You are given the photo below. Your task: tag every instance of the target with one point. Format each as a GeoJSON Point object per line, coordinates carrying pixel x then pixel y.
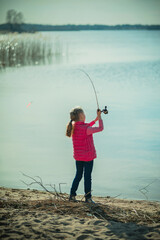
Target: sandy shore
{"type": "Point", "coordinates": [34, 214]}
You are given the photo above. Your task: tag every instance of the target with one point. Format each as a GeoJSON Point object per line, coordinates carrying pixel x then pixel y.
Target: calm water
{"type": "Point", "coordinates": [125, 68]}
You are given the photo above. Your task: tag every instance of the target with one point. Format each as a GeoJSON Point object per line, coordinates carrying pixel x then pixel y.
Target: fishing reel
{"type": "Point", "coordinates": [105, 111]}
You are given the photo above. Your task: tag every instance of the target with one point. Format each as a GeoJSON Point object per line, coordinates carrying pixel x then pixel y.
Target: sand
{"type": "Point", "coordinates": [34, 214]}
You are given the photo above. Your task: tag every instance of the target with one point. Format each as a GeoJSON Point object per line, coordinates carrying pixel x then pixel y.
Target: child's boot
{"type": "Point", "coordinates": [89, 200]}
{"type": "Point", "coordinates": [72, 198]}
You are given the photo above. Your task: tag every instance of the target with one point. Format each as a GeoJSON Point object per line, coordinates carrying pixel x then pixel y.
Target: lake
{"type": "Point", "coordinates": [35, 102]}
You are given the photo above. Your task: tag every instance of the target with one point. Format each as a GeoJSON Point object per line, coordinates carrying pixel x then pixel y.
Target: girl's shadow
{"type": "Point", "coordinates": [120, 228]}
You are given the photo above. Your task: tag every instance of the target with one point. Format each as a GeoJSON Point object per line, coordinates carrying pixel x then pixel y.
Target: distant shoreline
{"type": "Point", "coordinates": [27, 27]}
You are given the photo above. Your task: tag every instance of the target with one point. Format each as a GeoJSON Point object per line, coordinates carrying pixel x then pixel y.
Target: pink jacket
{"type": "Point", "coordinates": [82, 138]}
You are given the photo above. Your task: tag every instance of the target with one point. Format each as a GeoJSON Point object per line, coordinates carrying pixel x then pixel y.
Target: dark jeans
{"type": "Point", "coordinates": [87, 166]}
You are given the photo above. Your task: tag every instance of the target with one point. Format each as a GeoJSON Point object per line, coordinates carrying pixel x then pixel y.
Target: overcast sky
{"type": "Point", "coordinates": [108, 12]}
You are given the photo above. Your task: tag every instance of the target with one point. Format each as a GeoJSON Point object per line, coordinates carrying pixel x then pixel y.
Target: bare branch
{"type": "Point", "coordinates": [117, 195]}
{"type": "Point", "coordinates": [60, 186]}
{"type": "Point", "coordinates": [144, 190]}
{"type": "Point", "coordinates": [40, 179]}
{"type": "Point", "coordinates": [55, 193]}
{"type": "Point", "coordinates": [86, 195]}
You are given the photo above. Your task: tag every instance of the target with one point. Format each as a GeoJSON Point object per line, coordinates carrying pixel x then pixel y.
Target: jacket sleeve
{"type": "Point", "coordinates": [92, 123]}
{"type": "Point", "coordinates": [91, 130]}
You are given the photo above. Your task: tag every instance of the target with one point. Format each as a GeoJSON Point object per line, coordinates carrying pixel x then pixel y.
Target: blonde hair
{"type": "Point", "coordinates": [74, 116]}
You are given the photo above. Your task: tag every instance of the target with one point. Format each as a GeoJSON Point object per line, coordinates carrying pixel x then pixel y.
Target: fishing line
{"type": "Point", "coordinates": [105, 111]}
{"type": "Point", "coordinates": [92, 85]}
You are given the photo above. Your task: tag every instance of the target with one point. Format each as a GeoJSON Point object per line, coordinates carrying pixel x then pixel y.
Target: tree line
{"type": "Point", "coordinates": [15, 23]}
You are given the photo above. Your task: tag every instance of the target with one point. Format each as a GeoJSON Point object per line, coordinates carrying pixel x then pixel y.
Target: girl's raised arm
{"type": "Point", "coordinates": [92, 123]}
{"type": "Point", "coordinates": [91, 130]}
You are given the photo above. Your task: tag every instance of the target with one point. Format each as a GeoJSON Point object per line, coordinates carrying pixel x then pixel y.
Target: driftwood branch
{"type": "Point", "coordinates": [59, 196]}
{"type": "Point", "coordinates": [144, 190]}
{"type": "Point", "coordinates": [60, 186]}
{"type": "Point", "coordinates": [117, 195]}
{"type": "Point", "coordinates": [85, 195]}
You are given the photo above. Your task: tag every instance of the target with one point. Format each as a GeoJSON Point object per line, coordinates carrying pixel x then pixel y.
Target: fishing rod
{"type": "Point", "coordinates": [105, 111]}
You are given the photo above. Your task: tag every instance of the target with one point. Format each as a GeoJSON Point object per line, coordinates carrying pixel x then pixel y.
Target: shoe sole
{"type": "Point", "coordinates": [90, 202]}
{"type": "Point", "coordinates": [71, 200]}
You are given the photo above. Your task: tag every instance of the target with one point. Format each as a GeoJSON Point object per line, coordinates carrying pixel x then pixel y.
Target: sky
{"type": "Point", "coordinates": [109, 12]}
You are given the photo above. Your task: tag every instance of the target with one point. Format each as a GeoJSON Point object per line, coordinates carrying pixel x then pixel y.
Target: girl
{"type": "Point", "coordinates": [83, 149]}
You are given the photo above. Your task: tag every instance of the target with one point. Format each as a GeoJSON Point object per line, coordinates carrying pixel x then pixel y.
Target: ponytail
{"type": "Point", "coordinates": [69, 129]}
{"type": "Point", "coordinates": [74, 116]}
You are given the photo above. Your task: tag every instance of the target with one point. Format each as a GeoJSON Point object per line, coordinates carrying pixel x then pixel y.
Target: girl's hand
{"type": "Point", "coordinates": [98, 115]}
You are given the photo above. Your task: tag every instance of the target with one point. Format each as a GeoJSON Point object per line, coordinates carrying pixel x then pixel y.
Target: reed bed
{"type": "Point", "coordinates": [28, 49]}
